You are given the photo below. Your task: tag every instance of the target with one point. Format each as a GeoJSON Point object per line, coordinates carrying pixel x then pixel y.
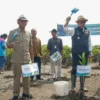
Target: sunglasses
{"type": "Point", "coordinates": [81, 22]}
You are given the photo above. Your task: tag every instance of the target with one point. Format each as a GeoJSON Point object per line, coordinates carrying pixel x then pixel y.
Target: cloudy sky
{"type": "Point", "coordinates": [45, 14]}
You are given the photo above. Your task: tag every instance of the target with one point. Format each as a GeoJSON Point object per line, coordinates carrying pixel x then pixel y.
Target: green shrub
{"type": "Point", "coordinates": [96, 52]}
{"type": "Point", "coordinates": [8, 56]}
{"type": "Point", "coordinates": [66, 55]}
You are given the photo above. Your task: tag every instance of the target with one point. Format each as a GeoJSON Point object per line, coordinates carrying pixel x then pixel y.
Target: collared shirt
{"type": "Point", "coordinates": [22, 42]}
{"type": "Point", "coordinates": [36, 47]}
{"type": "Point", "coordinates": [55, 44]}
{"type": "Point", "coordinates": [71, 31]}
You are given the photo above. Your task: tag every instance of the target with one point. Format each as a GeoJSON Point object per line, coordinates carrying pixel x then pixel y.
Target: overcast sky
{"type": "Point", "coordinates": [45, 14]}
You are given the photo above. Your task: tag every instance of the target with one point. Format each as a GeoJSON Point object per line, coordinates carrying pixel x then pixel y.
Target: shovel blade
{"type": "Point", "coordinates": [75, 10]}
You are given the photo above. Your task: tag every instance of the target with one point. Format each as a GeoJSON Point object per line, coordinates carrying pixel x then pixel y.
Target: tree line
{"type": "Point", "coordinates": [66, 61]}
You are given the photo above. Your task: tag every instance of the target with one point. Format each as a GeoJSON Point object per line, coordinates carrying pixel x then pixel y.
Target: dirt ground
{"type": "Point", "coordinates": [44, 89]}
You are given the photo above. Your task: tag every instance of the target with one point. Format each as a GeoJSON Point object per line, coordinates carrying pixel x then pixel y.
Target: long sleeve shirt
{"type": "Point", "coordinates": [71, 31]}
{"type": "Point", "coordinates": [37, 50]}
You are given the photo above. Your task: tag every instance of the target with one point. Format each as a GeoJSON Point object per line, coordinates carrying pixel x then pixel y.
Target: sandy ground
{"type": "Point", "coordinates": [44, 89]}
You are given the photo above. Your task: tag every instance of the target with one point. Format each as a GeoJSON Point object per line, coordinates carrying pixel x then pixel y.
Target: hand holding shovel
{"type": "Point", "coordinates": [73, 11]}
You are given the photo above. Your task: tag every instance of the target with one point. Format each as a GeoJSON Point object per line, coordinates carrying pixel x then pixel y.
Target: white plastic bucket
{"type": "Point", "coordinates": [61, 88]}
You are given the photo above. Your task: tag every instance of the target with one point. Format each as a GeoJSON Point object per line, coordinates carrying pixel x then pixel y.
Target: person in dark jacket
{"type": "Point", "coordinates": [55, 44]}
{"type": "Point", "coordinates": [81, 42]}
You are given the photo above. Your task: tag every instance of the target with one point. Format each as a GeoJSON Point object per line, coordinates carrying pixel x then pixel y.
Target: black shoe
{"type": "Point", "coordinates": [54, 79]}
{"type": "Point", "coordinates": [39, 78]}
{"type": "Point", "coordinates": [15, 98]}
{"type": "Point", "coordinates": [27, 96]}
{"type": "Point", "coordinates": [31, 80]}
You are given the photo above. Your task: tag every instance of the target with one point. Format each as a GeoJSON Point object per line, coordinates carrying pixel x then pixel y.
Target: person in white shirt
{"type": "Point", "coordinates": [81, 42]}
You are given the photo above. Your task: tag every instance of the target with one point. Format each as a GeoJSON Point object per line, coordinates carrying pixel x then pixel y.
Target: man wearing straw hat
{"type": "Point", "coordinates": [81, 42]}
{"type": "Point", "coordinates": [21, 41]}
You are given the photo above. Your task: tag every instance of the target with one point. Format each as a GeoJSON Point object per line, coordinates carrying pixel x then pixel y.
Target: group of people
{"type": "Point", "coordinates": [27, 47]}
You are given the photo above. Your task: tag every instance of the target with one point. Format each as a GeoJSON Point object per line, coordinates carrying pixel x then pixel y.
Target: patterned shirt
{"type": "Point", "coordinates": [55, 44]}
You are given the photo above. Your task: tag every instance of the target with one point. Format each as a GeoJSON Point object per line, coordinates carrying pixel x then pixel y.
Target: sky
{"type": "Point", "coordinates": [44, 15]}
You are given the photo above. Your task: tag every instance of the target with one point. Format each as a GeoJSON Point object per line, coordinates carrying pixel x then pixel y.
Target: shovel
{"type": "Point", "coordinates": [73, 11]}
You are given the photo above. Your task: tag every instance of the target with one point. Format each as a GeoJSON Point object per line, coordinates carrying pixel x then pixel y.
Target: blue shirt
{"type": "Point", "coordinates": [55, 44]}
{"type": "Point", "coordinates": [2, 50]}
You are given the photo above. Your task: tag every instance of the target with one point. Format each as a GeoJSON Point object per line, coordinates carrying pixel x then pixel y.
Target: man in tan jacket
{"type": "Point", "coordinates": [20, 41]}
{"type": "Point", "coordinates": [36, 52]}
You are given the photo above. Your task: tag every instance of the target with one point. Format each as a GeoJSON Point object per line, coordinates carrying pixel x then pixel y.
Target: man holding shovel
{"type": "Point", "coordinates": [81, 42]}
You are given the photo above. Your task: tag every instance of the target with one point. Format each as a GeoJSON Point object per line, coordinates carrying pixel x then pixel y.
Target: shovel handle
{"type": "Point", "coordinates": [71, 14]}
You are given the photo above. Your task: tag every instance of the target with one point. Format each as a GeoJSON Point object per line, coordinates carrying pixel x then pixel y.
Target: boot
{"type": "Point", "coordinates": [73, 81]}
{"type": "Point", "coordinates": [82, 82]}
{"type": "Point", "coordinates": [15, 98]}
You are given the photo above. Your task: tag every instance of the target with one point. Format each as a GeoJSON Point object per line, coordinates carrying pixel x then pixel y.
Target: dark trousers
{"type": "Point", "coordinates": [2, 61]}
{"type": "Point", "coordinates": [38, 61]}
{"type": "Point", "coordinates": [75, 61]}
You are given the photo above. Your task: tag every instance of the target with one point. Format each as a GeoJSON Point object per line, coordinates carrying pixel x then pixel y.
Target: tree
{"type": "Point", "coordinates": [66, 55]}
{"type": "Point", "coordinates": [96, 52]}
